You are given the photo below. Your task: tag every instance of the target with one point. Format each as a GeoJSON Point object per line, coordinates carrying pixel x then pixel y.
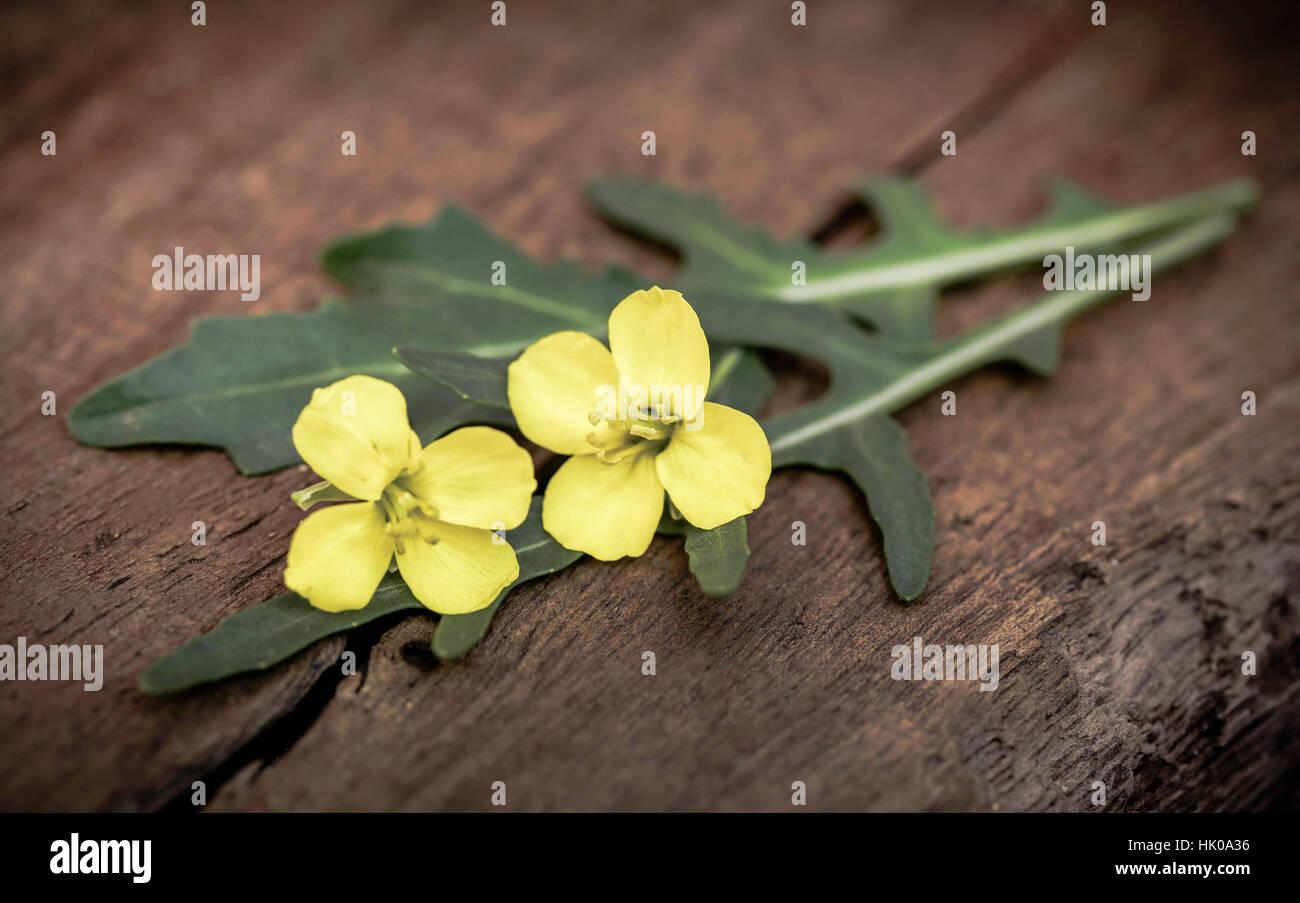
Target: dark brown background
{"type": "Point", "coordinates": [1119, 664]}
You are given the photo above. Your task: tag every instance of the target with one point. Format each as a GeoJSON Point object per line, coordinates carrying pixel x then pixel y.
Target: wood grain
{"type": "Point", "coordinates": [1120, 664]}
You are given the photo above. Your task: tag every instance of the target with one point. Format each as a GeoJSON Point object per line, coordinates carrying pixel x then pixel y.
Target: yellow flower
{"type": "Point", "coordinates": [434, 508]}
{"type": "Point", "coordinates": [635, 421]}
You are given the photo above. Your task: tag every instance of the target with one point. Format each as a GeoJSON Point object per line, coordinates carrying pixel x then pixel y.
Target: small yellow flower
{"type": "Point", "coordinates": [434, 508]}
{"type": "Point", "coordinates": [635, 421]}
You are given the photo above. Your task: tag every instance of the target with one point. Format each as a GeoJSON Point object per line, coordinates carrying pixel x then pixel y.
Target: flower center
{"type": "Point", "coordinates": [623, 440]}
{"type": "Point", "coordinates": [408, 517]}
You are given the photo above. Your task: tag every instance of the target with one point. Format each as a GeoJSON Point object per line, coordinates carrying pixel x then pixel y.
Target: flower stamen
{"type": "Point", "coordinates": [645, 431]}
{"type": "Point", "coordinates": [622, 453]}
{"type": "Point", "coordinates": [407, 515]}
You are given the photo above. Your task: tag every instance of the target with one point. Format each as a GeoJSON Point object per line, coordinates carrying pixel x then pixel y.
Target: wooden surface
{"type": "Point", "coordinates": [1119, 664]}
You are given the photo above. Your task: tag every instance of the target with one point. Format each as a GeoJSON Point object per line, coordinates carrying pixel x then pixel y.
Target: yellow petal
{"type": "Point", "coordinates": [338, 555]}
{"type": "Point", "coordinates": [605, 510]}
{"type": "Point", "coordinates": [555, 384]}
{"type": "Point", "coordinates": [464, 571]}
{"type": "Point", "coordinates": [718, 472]}
{"type": "Point", "coordinates": [475, 477]}
{"type": "Point", "coordinates": [355, 434]}
{"type": "Point", "coordinates": [657, 341]}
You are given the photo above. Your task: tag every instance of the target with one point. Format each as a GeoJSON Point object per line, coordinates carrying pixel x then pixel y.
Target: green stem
{"type": "Point", "coordinates": [1028, 245]}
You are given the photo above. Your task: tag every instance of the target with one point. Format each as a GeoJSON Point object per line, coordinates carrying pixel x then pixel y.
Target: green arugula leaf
{"type": "Point", "coordinates": [239, 383]}
{"type": "Point", "coordinates": [264, 635]}
{"type": "Point", "coordinates": [481, 380]}
{"type": "Point", "coordinates": [894, 283]}
{"type": "Point", "coordinates": [269, 633]}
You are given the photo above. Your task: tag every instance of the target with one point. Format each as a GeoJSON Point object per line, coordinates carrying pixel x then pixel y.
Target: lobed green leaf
{"type": "Point", "coordinates": [269, 633]}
